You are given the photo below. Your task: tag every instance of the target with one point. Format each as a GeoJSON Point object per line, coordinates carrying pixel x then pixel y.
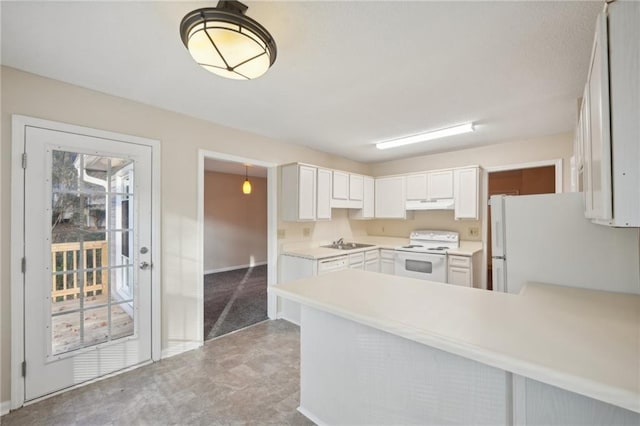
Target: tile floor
{"type": "Point", "coordinates": [250, 377]}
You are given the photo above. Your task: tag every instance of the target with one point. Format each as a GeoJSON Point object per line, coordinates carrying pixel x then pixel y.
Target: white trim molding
{"type": "Point", "coordinates": [272, 226]}
{"type": "Point", "coordinates": [178, 348]}
{"type": "Point", "coordinates": [233, 268]}
{"type": "Point", "coordinates": [5, 406]}
{"type": "Point", "coordinates": [18, 125]}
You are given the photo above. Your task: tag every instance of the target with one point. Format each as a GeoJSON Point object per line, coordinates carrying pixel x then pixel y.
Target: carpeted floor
{"type": "Point", "coordinates": [234, 300]}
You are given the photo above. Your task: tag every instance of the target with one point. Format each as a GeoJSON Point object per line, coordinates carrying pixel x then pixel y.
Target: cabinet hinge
{"type": "Point", "coordinates": [23, 265]}
{"type": "Point", "coordinates": [24, 160]}
{"type": "Point", "coordinates": [24, 368]}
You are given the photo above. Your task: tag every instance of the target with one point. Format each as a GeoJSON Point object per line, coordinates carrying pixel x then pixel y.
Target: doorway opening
{"type": "Point", "coordinates": [235, 246]}
{"type": "Point", "coordinates": [236, 237]}
{"type": "Point", "coordinates": [518, 181]}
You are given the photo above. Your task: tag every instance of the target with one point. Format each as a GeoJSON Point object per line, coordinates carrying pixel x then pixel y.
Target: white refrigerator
{"type": "Point", "coordinates": [546, 238]}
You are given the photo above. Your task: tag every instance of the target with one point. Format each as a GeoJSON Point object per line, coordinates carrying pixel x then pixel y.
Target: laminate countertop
{"type": "Point", "coordinates": [314, 250]}
{"type": "Point", "coordinates": [583, 341]}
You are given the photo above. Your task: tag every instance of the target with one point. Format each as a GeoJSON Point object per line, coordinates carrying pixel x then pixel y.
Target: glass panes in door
{"type": "Point", "coordinates": [92, 282]}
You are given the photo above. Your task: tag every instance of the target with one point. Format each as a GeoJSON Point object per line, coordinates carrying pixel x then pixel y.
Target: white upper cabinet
{"type": "Point", "coordinates": [348, 190]}
{"type": "Point", "coordinates": [466, 190]}
{"type": "Point", "coordinates": [430, 186]}
{"type": "Point", "coordinates": [368, 196]}
{"type": "Point", "coordinates": [599, 195]}
{"type": "Point", "coordinates": [298, 183]}
{"type": "Point", "coordinates": [440, 185]}
{"type": "Point", "coordinates": [340, 185]}
{"type": "Point", "coordinates": [390, 197]}
{"type": "Point", "coordinates": [324, 187]}
{"type": "Point", "coordinates": [356, 187]}
{"type": "Point", "coordinates": [609, 119]}
{"type": "Point", "coordinates": [417, 187]}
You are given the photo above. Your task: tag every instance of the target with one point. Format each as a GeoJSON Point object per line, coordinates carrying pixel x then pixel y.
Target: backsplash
{"type": "Point", "coordinates": [470, 230]}
{"type": "Point", "coordinates": [323, 230]}
{"type": "Point", "coordinates": [341, 226]}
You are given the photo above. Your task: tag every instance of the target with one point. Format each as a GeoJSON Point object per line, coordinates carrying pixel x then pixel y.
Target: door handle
{"type": "Point", "coordinates": [145, 265]}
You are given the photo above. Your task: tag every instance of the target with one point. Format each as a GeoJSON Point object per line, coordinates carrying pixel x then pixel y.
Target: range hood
{"type": "Point", "coordinates": [444, 204]}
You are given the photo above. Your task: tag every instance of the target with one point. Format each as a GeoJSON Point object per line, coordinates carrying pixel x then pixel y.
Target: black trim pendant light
{"type": "Point", "coordinates": [246, 185]}
{"type": "Point", "coordinates": [226, 42]}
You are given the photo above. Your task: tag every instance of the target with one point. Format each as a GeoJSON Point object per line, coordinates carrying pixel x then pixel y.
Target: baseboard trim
{"type": "Point", "coordinates": [179, 348]}
{"type": "Point", "coordinates": [310, 416]}
{"type": "Point", "coordinates": [233, 268]}
{"type": "Point", "coordinates": [283, 316]}
{"type": "Point", "coordinates": [5, 406]}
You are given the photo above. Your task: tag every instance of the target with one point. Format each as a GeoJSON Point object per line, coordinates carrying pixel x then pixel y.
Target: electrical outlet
{"type": "Point", "coordinates": [281, 234]}
{"type": "Point", "coordinates": [474, 231]}
{"type": "Point", "coordinates": [306, 232]}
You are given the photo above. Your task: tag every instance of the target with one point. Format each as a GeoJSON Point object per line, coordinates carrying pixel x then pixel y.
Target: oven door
{"type": "Point", "coordinates": [424, 266]}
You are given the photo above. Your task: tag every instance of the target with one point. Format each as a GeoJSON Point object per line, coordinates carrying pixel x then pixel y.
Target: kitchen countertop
{"type": "Point", "coordinates": [583, 341]}
{"type": "Point", "coordinates": [313, 250]}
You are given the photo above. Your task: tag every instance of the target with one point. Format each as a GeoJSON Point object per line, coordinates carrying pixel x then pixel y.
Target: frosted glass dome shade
{"type": "Point", "coordinates": [227, 43]}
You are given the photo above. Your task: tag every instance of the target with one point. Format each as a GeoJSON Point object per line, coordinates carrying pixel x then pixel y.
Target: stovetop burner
{"type": "Point", "coordinates": [436, 242]}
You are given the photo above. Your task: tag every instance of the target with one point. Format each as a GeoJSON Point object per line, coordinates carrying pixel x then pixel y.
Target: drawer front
{"type": "Point", "coordinates": [459, 276]}
{"type": "Point", "coordinates": [371, 254]}
{"type": "Point", "coordinates": [460, 261]}
{"type": "Point", "coordinates": [387, 254]}
{"type": "Point", "coordinates": [356, 258]}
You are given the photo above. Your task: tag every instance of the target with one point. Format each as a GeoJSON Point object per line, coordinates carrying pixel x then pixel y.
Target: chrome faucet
{"type": "Point", "coordinates": [339, 242]}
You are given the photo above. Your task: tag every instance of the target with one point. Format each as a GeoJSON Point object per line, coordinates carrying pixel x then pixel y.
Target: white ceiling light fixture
{"type": "Point", "coordinates": [225, 42]}
{"type": "Point", "coordinates": [426, 136]}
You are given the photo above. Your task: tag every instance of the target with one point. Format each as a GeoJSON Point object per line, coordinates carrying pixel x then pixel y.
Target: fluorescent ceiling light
{"type": "Point", "coordinates": [427, 136]}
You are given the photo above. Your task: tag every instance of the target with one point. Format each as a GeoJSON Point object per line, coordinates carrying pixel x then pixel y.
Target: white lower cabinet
{"type": "Point", "coordinates": [460, 271]}
{"type": "Point", "coordinates": [372, 260]}
{"type": "Point", "coordinates": [294, 268]}
{"type": "Point", "coordinates": [387, 261]}
{"type": "Point", "coordinates": [356, 260]}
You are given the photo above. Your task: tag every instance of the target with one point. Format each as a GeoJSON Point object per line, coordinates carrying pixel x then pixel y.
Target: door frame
{"type": "Point", "coordinates": [272, 228]}
{"type": "Point", "coordinates": [557, 162]}
{"type": "Point", "coordinates": [18, 124]}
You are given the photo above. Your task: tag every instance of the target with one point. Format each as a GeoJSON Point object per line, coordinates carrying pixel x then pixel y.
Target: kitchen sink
{"type": "Point", "coordinates": [348, 246]}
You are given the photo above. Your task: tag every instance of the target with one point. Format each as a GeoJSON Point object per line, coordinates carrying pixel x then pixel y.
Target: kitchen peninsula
{"type": "Point", "coordinates": [427, 353]}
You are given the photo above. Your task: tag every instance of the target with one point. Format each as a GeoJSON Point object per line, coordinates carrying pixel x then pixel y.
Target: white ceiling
{"type": "Point", "coordinates": [347, 74]}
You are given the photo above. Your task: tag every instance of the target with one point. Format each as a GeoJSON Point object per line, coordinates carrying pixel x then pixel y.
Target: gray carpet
{"type": "Point", "coordinates": [234, 300]}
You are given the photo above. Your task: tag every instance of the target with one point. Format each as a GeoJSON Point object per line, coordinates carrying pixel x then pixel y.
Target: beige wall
{"type": "Point", "coordinates": [180, 137]}
{"type": "Point", "coordinates": [324, 230]}
{"type": "Point", "coordinates": [235, 224]}
{"type": "Point", "coordinates": [436, 219]}
{"type": "Point", "coordinates": [515, 152]}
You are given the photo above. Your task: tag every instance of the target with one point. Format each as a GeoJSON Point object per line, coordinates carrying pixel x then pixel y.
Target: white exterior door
{"type": "Point", "coordinates": [87, 251]}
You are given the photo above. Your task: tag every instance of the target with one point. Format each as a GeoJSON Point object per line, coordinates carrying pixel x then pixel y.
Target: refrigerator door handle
{"type": "Point", "coordinates": [499, 257]}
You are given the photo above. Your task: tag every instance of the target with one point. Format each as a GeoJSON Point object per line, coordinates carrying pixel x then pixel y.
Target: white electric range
{"type": "Point", "coordinates": [425, 257]}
